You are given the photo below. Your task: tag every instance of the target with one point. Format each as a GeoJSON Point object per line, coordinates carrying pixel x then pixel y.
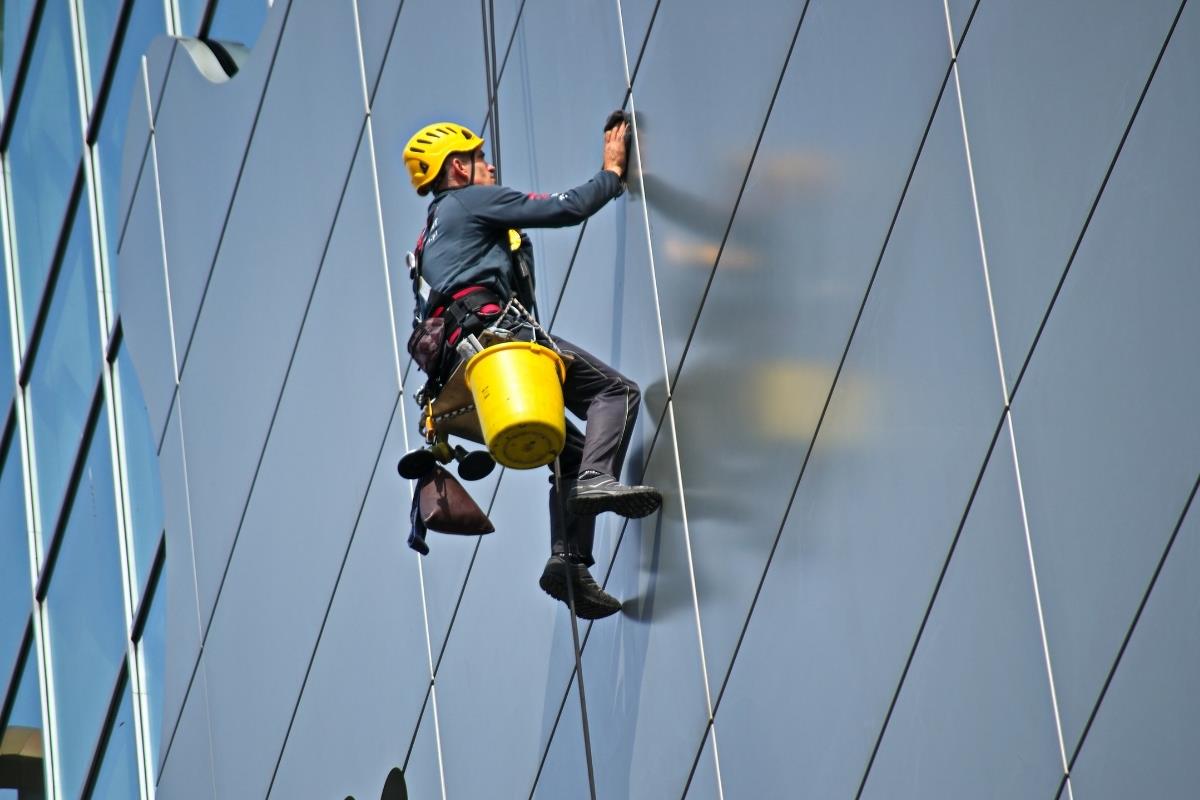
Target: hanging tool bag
{"type": "Point", "coordinates": [469, 310]}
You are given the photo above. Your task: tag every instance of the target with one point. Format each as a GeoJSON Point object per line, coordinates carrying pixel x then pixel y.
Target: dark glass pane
{"type": "Point", "coordinates": [21, 768]}
{"type": "Point", "coordinates": [238, 21]}
{"type": "Point", "coordinates": [153, 646]}
{"type": "Point", "coordinates": [65, 371]}
{"type": "Point", "coordinates": [16, 590]}
{"type": "Point", "coordinates": [14, 19]}
{"type": "Point", "coordinates": [141, 470]}
{"type": "Point", "coordinates": [118, 776]}
{"type": "Point", "coordinates": [86, 614]}
{"type": "Point", "coordinates": [43, 154]}
{"type": "Point", "coordinates": [99, 21]}
{"type": "Point", "coordinates": [145, 22]}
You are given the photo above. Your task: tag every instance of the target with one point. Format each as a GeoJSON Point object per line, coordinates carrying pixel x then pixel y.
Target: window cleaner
{"type": "Point", "coordinates": [473, 276]}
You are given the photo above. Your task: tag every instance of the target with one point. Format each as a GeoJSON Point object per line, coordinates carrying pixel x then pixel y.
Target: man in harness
{"type": "Point", "coordinates": [471, 261]}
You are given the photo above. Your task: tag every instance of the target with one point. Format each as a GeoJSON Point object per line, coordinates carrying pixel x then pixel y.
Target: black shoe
{"type": "Point", "coordinates": [591, 602]}
{"type": "Point", "coordinates": [591, 496]}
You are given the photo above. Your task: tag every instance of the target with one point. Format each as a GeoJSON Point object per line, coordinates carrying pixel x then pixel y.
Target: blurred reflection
{"type": "Point", "coordinates": [16, 590]}
{"type": "Point", "coordinates": [21, 746]}
{"type": "Point", "coordinates": [146, 21]}
{"type": "Point", "coordinates": [99, 22]}
{"type": "Point", "coordinates": [118, 777]}
{"type": "Point", "coordinates": [65, 370]}
{"type": "Point", "coordinates": [86, 614]}
{"type": "Point", "coordinates": [43, 154]}
{"type": "Point", "coordinates": [141, 466]}
{"type": "Point", "coordinates": [14, 19]}
{"type": "Point", "coordinates": [153, 650]}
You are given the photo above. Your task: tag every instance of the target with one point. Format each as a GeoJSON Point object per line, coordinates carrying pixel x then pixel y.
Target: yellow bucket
{"type": "Point", "coordinates": [517, 388]}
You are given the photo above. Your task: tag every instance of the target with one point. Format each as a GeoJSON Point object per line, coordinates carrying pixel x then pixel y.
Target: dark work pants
{"type": "Point", "coordinates": [608, 401]}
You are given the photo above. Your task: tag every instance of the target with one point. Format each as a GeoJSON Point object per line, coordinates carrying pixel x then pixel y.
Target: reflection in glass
{"type": "Point", "coordinates": [118, 776]}
{"type": "Point", "coordinates": [86, 614]}
{"type": "Point", "coordinates": [238, 21]}
{"type": "Point", "coordinates": [141, 469]}
{"type": "Point", "coordinates": [14, 18]}
{"type": "Point", "coordinates": [16, 589]}
{"type": "Point", "coordinates": [21, 769]}
{"type": "Point", "coordinates": [153, 651]}
{"type": "Point", "coordinates": [43, 154]}
{"type": "Point", "coordinates": [65, 371]}
{"type": "Point", "coordinates": [100, 20]}
{"type": "Point", "coordinates": [145, 22]}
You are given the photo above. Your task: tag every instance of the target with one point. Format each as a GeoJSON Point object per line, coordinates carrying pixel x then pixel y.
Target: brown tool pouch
{"type": "Point", "coordinates": [426, 343]}
{"type": "Point", "coordinates": [446, 507]}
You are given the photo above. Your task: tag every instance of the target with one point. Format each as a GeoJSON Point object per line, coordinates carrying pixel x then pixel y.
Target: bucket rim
{"type": "Point", "coordinates": [560, 365]}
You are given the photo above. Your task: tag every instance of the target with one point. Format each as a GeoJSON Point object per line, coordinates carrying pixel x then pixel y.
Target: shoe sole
{"type": "Point", "coordinates": [554, 583]}
{"type": "Point", "coordinates": [631, 505]}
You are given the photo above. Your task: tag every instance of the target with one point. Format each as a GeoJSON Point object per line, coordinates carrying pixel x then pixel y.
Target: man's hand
{"type": "Point", "coordinates": [615, 151]}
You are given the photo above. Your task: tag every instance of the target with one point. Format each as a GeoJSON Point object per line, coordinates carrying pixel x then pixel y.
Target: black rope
{"type": "Point", "coordinates": [587, 738]}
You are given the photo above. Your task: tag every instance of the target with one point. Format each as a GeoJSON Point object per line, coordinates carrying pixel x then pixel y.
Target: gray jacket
{"type": "Point", "coordinates": [465, 241]}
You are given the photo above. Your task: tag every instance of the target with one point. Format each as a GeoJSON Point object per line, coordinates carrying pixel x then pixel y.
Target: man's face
{"type": "Point", "coordinates": [485, 173]}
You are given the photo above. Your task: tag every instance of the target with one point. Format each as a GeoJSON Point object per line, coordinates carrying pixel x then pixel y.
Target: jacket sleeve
{"type": "Point", "coordinates": [507, 208]}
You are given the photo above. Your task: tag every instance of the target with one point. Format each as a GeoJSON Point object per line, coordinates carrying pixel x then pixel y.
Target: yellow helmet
{"type": "Point", "coordinates": [426, 151]}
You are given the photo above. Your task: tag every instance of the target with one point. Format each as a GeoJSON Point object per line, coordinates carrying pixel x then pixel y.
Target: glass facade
{"type": "Point", "coordinates": [81, 515]}
{"type": "Point", "coordinates": [909, 290]}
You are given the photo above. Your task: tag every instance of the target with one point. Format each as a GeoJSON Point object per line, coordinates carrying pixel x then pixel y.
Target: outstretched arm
{"type": "Point", "coordinates": [508, 208]}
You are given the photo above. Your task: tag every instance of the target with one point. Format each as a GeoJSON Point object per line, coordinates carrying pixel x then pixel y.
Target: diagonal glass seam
{"type": "Point", "coordinates": [337, 582]}
{"type": "Point", "coordinates": [836, 376]}
{"type": "Point", "coordinates": [206, 624]}
{"type": "Point", "coordinates": [1112, 164]}
{"type": "Point", "coordinates": [562, 704]}
{"type": "Point", "coordinates": [237, 183]}
{"type": "Point", "coordinates": [282, 388]}
{"type": "Point", "coordinates": [737, 203]}
{"type": "Point", "coordinates": [1112, 671]}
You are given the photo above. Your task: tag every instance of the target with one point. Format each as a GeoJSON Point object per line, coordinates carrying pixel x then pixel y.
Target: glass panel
{"type": "Point", "coordinates": [43, 154]}
{"type": "Point", "coordinates": [1048, 89]}
{"type": "Point", "coordinates": [141, 470]}
{"type": "Point", "coordinates": [975, 708]}
{"type": "Point", "coordinates": [190, 14]}
{"type": "Point", "coordinates": [1144, 734]}
{"type": "Point", "coordinates": [1105, 415]}
{"type": "Point", "coordinates": [65, 370]}
{"type": "Point", "coordinates": [21, 741]}
{"type": "Point", "coordinates": [16, 589]}
{"type": "Point", "coordinates": [387, 669]}
{"type": "Point", "coordinates": [145, 22]}
{"type": "Point", "coordinates": [908, 427]}
{"type": "Point", "coordinates": [645, 664]}
{"type": "Point", "coordinates": [238, 21]}
{"type": "Point", "coordinates": [118, 776]}
{"type": "Point", "coordinates": [153, 649]}
{"type": "Point", "coordinates": [14, 19]}
{"type": "Point", "coordinates": [99, 20]}
{"type": "Point", "coordinates": [86, 614]}
{"type": "Point", "coordinates": [564, 772]}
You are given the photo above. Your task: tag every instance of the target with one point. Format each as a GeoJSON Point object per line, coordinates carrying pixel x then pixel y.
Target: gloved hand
{"type": "Point", "coordinates": [618, 140]}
